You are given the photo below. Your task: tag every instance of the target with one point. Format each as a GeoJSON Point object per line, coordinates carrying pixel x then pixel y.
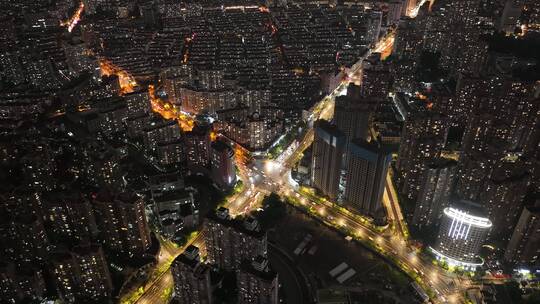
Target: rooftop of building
{"type": "Point", "coordinates": [172, 195]}
{"type": "Point", "coordinates": [442, 162]}
{"type": "Point", "coordinates": [85, 249]}
{"type": "Point", "coordinates": [160, 123]}
{"type": "Point", "coordinates": [124, 197]}
{"type": "Point", "coordinates": [325, 126]}
{"type": "Point", "coordinates": [469, 207]}
{"type": "Point", "coordinates": [221, 146]}
{"type": "Point", "coordinates": [237, 224]}
{"type": "Point", "coordinates": [371, 146]}
{"type": "Point", "coordinates": [267, 274]}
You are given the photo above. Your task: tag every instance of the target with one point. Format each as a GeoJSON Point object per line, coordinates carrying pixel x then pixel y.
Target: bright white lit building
{"type": "Point", "coordinates": [464, 228]}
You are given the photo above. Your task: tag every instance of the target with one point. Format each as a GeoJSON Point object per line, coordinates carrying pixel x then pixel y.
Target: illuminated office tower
{"type": "Point", "coordinates": [328, 148]}
{"type": "Point", "coordinates": [464, 228]}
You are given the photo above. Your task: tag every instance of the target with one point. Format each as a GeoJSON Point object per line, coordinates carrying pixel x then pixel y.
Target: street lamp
{"type": "Point", "coordinates": [453, 298]}
{"type": "Point", "coordinates": [413, 258]}
{"type": "Point", "coordinates": [434, 276]}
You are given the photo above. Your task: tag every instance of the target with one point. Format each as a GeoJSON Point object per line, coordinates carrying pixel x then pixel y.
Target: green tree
{"type": "Point", "coordinates": [274, 209]}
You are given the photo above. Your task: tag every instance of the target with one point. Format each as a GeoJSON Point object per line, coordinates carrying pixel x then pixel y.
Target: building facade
{"type": "Point", "coordinates": [191, 278]}
{"type": "Point", "coordinates": [328, 149]}
{"type": "Point", "coordinates": [524, 246]}
{"type": "Point", "coordinates": [423, 138]}
{"type": "Point", "coordinates": [464, 229]}
{"type": "Point", "coordinates": [366, 176]}
{"type": "Point", "coordinates": [257, 283]}
{"type": "Point", "coordinates": [435, 193]}
{"type": "Point", "coordinates": [122, 222]}
{"type": "Point", "coordinates": [229, 242]}
{"type": "Point", "coordinates": [223, 164]}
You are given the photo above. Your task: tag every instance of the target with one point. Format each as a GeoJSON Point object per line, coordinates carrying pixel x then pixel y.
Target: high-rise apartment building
{"type": "Point", "coordinates": [488, 134]}
{"type": "Point", "coordinates": [423, 138]}
{"type": "Point", "coordinates": [191, 278]}
{"type": "Point", "coordinates": [257, 283]}
{"type": "Point", "coordinates": [394, 12]}
{"type": "Point", "coordinates": [532, 9]}
{"type": "Point", "coordinates": [94, 279]}
{"type": "Point", "coordinates": [29, 238]}
{"type": "Point", "coordinates": [463, 13]}
{"type": "Point", "coordinates": [376, 78]}
{"type": "Point", "coordinates": [503, 198]}
{"type": "Point", "coordinates": [509, 18]}
{"type": "Point", "coordinates": [409, 39]}
{"type": "Point", "coordinates": [255, 131]}
{"type": "Point", "coordinates": [473, 170]}
{"type": "Point", "coordinates": [374, 22]}
{"type": "Point", "coordinates": [470, 90]}
{"type": "Point", "coordinates": [229, 241]}
{"type": "Point", "coordinates": [366, 176]}
{"type": "Point", "coordinates": [122, 222]}
{"type": "Point", "coordinates": [21, 284]}
{"type": "Point", "coordinates": [223, 164]}
{"type": "Point", "coordinates": [198, 146]}
{"type": "Point", "coordinates": [82, 274]}
{"type": "Point", "coordinates": [524, 246]}
{"type": "Point", "coordinates": [328, 149]}
{"type": "Point", "coordinates": [137, 103]}
{"type": "Point", "coordinates": [70, 216]}
{"type": "Point", "coordinates": [435, 192]}
{"type": "Point", "coordinates": [352, 113]}
{"type": "Point", "coordinates": [171, 153]}
{"type": "Point", "coordinates": [160, 131]}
